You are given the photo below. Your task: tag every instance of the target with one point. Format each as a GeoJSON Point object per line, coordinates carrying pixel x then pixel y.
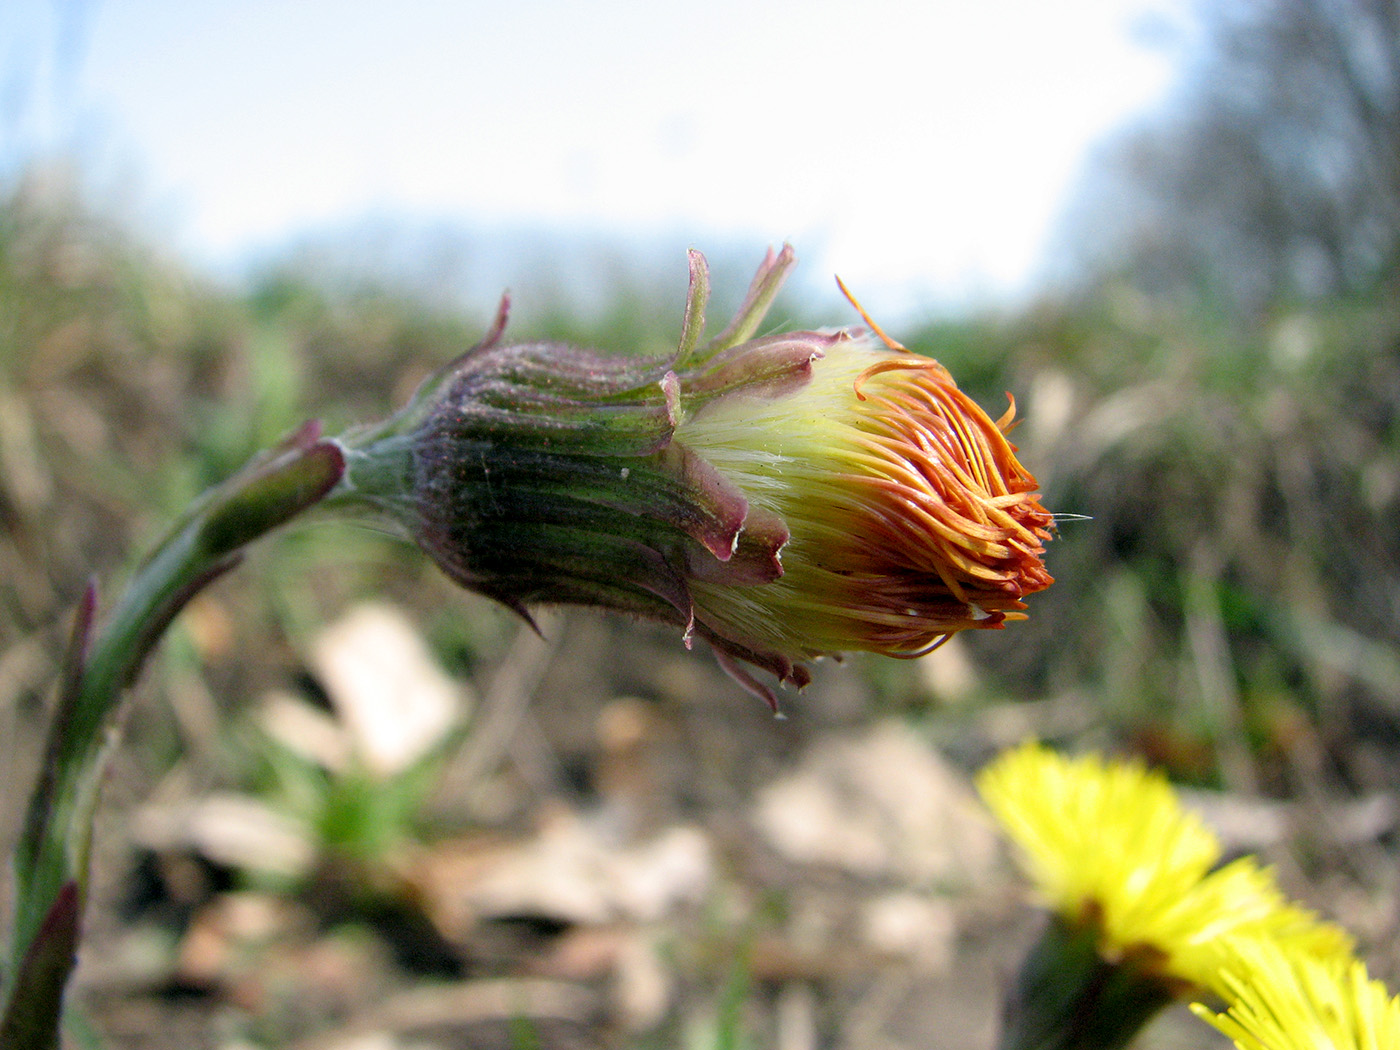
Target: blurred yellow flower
{"type": "Point", "coordinates": [1286, 1000]}
{"type": "Point", "coordinates": [1109, 846]}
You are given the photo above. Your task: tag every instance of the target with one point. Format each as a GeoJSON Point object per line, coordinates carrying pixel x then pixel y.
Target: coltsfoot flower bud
{"type": "Point", "coordinates": [783, 497]}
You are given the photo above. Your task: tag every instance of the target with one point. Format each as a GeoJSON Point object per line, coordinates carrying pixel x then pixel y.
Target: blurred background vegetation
{"type": "Point", "coordinates": [1214, 383]}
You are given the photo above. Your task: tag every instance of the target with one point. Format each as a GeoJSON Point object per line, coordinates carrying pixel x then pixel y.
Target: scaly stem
{"type": "Point", "coordinates": [51, 859]}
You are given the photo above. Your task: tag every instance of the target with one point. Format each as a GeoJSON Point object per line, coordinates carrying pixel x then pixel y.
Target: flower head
{"type": "Point", "coordinates": [783, 497]}
{"type": "Point", "coordinates": [1286, 1000]}
{"type": "Point", "coordinates": [909, 515]}
{"type": "Point", "coordinates": [1109, 847]}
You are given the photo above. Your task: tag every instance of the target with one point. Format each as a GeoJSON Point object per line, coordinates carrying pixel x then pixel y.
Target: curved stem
{"type": "Point", "coordinates": [51, 858]}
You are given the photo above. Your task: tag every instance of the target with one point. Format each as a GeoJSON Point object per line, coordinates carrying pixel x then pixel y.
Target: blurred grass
{"type": "Point", "coordinates": [1233, 604]}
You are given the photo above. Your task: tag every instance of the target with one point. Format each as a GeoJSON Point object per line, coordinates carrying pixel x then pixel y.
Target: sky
{"type": "Point", "coordinates": [923, 150]}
